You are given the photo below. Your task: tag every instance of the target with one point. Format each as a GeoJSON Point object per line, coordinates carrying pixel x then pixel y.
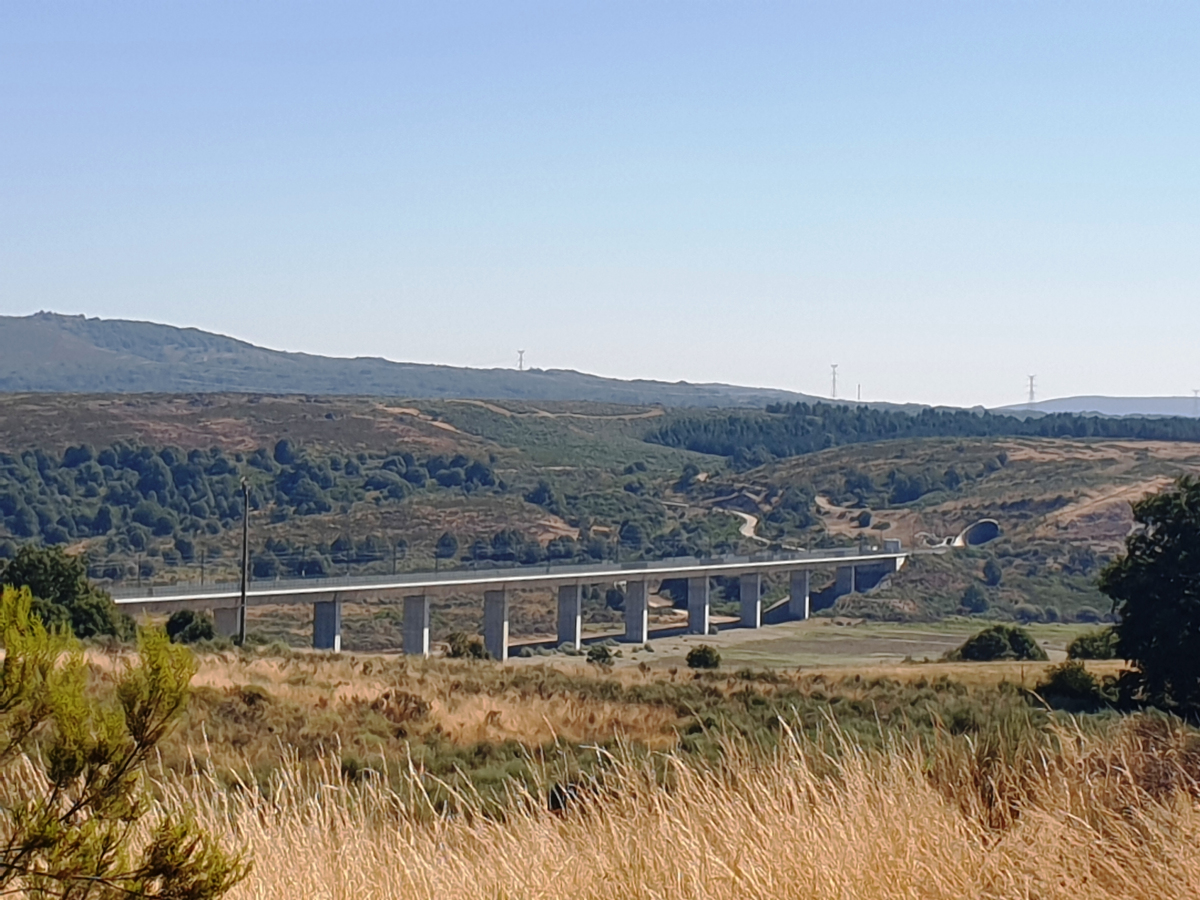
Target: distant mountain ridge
{"type": "Point", "coordinates": [1111, 406]}
{"type": "Point", "coordinates": [52, 353]}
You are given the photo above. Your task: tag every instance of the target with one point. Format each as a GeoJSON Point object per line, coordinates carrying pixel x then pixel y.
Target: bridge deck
{"type": "Point", "coordinates": [307, 590]}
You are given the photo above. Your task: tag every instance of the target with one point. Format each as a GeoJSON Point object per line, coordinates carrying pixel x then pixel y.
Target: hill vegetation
{"type": "Point", "coordinates": [795, 429]}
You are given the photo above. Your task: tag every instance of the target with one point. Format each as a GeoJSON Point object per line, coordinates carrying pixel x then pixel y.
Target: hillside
{"type": "Point", "coordinates": [47, 352]}
{"type": "Point", "coordinates": [146, 486]}
{"type": "Point", "coordinates": [1111, 406]}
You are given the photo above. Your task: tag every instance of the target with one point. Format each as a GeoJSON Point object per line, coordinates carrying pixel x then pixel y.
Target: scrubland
{"type": "Point", "coordinates": [1077, 815]}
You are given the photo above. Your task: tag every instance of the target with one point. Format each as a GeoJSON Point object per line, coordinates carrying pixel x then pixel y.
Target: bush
{"type": "Point", "coordinates": [1098, 644]}
{"type": "Point", "coordinates": [599, 655]}
{"type": "Point", "coordinates": [991, 573]}
{"type": "Point", "coordinates": [188, 626]}
{"type": "Point", "coordinates": [999, 642]}
{"type": "Point", "coordinates": [1026, 612]}
{"type": "Point", "coordinates": [703, 657]}
{"type": "Point", "coordinates": [1070, 681]}
{"type": "Point", "coordinates": [71, 828]}
{"type": "Point", "coordinates": [463, 646]}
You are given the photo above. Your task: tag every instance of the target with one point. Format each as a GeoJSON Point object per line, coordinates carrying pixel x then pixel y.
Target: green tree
{"type": "Point", "coordinates": [71, 832]}
{"type": "Point", "coordinates": [974, 600]}
{"type": "Point", "coordinates": [999, 642]}
{"type": "Point", "coordinates": [62, 595]}
{"type": "Point", "coordinates": [991, 573]}
{"type": "Point", "coordinates": [447, 546]}
{"type": "Point", "coordinates": [1155, 589]}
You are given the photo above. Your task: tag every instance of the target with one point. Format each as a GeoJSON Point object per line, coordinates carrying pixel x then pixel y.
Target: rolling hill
{"type": "Point", "coordinates": [48, 352]}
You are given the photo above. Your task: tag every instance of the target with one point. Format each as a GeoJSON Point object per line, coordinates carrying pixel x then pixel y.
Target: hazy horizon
{"type": "Point", "coordinates": [941, 199]}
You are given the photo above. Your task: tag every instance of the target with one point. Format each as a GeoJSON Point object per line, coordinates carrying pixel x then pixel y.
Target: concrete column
{"type": "Point", "coordinates": [637, 620]}
{"type": "Point", "coordinates": [225, 622]}
{"type": "Point", "coordinates": [327, 624]}
{"type": "Point", "coordinates": [750, 589]}
{"type": "Point", "coordinates": [845, 580]}
{"type": "Point", "coordinates": [698, 605]}
{"type": "Point", "coordinates": [798, 600]}
{"type": "Point", "coordinates": [495, 624]}
{"type": "Point", "coordinates": [570, 615]}
{"type": "Point", "coordinates": [416, 625]}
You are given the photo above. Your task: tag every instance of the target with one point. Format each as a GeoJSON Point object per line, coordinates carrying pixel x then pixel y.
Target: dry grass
{"type": "Point", "coordinates": [1111, 817]}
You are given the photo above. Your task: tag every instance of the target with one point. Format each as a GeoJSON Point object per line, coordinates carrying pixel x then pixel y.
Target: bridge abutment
{"type": "Point", "coordinates": [495, 624]}
{"type": "Point", "coordinates": [416, 625]}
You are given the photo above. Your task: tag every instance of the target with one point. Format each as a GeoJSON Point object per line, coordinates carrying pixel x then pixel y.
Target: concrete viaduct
{"type": "Point", "coordinates": [418, 589]}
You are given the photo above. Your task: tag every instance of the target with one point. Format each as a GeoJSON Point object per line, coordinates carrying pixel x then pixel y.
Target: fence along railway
{"type": "Point", "coordinates": [417, 591]}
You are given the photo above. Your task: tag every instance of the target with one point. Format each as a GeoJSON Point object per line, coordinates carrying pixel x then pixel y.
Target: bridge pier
{"type": "Point", "coordinates": [327, 624]}
{"type": "Point", "coordinates": [847, 580]}
{"type": "Point", "coordinates": [495, 624]}
{"type": "Point", "coordinates": [750, 590]}
{"type": "Point", "coordinates": [416, 625]}
{"type": "Point", "coordinates": [798, 600]}
{"type": "Point", "coordinates": [698, 605]}
{"type": "Point", "coordinates": [637, 613]}
{"type": "Point", "coordinates": [225, 622]}
{"type": "Point", "coordinates": [570, 615]}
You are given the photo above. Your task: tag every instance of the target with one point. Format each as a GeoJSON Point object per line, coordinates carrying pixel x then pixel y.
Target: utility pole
{"type": "Point", "coordinates": [520, 360]}
{"type": "Point", "coordinates": [1196, 402]}
{"type": "Point", "coordinates": [833, 394]}
{"type": "Point", "coordinates": [245, 562]}
{"type": "Point", "coordinates": [202, 552]}
{"type": "Point", "coordinates": [1031, 378]}
{"type": "Point", "coordinates": [860, 393]}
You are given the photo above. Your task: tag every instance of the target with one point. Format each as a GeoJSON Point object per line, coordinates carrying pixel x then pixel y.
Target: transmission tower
{"type": "Point", "coordinates": [520, 360]}
{"type": "Point", "coordinates": [1031, 378]}
{"type": "Point", "coordinates": [1196, 402]}
{"type": "Point", "coordinates": [833, 394]}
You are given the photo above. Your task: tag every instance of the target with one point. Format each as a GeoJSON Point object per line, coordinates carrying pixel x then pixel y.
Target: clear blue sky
{"type": "Point", "coordinates": [940, 197]}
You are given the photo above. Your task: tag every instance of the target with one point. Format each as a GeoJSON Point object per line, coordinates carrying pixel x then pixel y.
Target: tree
{"type": "Point", "coordinates": [70, 832]}
{"type": "Point", "coordinates": [447, 546]}
{"type": "Point", "coordinates": [974, 600]}
{"type": "Point", "coordinates": [999, 642]}
{"type": "Point", "coordinates": [62, 595]}
{"type": "Point", "coordinates": [991, 573]}
{"type": "Point", "coordinates": [1155, 589]}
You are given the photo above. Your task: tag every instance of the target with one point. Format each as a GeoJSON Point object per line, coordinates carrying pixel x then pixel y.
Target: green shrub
{"type": "Point", "coordinates": [599, 655]}
{"type": "Point", "coordinates": [464, 646]}
{"type": "Point", "coordinates": [1026, 612]}
{"type": "Point", "coordinates": [703, 657]}
{"type": "Point", "coordinates": [188, 626]}
{"type": "Point", "coordinates": [1098, 644]}
{"type": "Point", "coordinates": [1070, 681]}
{"type": "Point", "coordinates": [999, 642]}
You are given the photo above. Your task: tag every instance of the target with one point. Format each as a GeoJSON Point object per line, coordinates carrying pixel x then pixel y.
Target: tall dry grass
{"type": "Point", "coordinates": [1084, 816]}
